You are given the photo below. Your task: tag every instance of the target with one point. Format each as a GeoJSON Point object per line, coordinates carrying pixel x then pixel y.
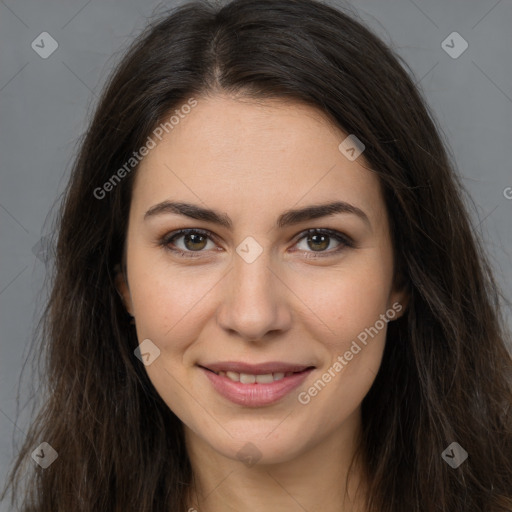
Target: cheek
{"type": "Point", "coordinates": [168, 303]}
{"type": "Point", "coordinates": [342, 303]}
{"type": "Point", "coordinates": [171, 307]}
{"type": "Point", "coordinates": [353, 343]}
{"type": "Point", "coordinates": [348, 306]}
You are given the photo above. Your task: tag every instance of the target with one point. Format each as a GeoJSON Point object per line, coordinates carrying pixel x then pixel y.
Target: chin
{"type": "Point", "coordinates": [260, 446]}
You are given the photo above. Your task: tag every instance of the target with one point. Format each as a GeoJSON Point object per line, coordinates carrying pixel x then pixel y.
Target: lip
{"type": "Point", "coordinates": [256, 395]}
{"type": "Point", "coordinates": [255, 369]}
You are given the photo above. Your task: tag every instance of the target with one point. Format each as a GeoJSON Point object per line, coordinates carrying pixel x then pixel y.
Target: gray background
{"type": "Point", "coordinates": [45, 103]}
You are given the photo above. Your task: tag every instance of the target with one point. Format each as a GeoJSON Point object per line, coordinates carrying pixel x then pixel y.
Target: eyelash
{"type": "Point", "coordinates": [344, 240]}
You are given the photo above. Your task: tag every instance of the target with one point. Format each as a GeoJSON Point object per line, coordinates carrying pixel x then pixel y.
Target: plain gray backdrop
{"type": "Point", "coordinates": [45, 104]}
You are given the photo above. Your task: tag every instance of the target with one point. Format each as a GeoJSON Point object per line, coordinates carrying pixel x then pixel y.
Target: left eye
{"type": "Point", "coordinates": [321, 240]}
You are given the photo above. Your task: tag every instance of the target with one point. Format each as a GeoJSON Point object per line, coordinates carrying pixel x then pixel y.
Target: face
{"type": "Point", "coordinates": [302, 313]}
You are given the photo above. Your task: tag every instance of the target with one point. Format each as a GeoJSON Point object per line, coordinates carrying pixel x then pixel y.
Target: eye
{"type": "Point", "coordinates": [320, 239]}
{"type": "Point", "coordinates": [194, 241]}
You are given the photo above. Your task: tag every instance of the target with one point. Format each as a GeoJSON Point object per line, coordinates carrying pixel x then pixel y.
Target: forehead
{"type": "Point", "coordinates": [240, 153]}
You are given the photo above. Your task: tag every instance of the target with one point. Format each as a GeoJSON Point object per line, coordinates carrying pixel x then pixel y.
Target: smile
{"type": "Point", "coordinates": [255, 389]}
{"type": "Point", "coordinates": [247, 378]}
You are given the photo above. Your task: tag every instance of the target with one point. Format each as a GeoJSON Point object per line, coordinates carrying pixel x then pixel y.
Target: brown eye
{"type": "Point", "coordinates": [319, 240]}
{"type": "Point", "coordinates": [193, 241]}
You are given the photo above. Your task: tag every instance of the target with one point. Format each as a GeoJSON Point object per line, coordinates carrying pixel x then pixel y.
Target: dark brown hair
{"type": "Point", "coordinates": [446, 371]}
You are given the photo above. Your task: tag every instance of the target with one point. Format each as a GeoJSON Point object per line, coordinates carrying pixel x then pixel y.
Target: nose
{"type": "Point", "coordinates": [255, 300]}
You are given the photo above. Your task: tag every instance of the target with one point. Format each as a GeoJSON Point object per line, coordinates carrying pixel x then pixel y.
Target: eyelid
{"type": "Point", "coordinates": [344, 240]}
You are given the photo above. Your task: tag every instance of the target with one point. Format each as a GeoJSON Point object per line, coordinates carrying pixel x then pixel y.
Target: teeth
{"type": "Point", "coordinates": [247, 378]}
{"type": "Point", "coordinates": [265, 379]}
{"type": "Point", "coordinates": [233, 376]}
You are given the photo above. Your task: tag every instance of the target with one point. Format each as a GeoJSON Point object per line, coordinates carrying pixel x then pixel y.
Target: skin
{"type": "Point", "coordinates": [253, 160]}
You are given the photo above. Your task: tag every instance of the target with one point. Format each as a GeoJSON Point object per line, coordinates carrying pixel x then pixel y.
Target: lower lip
{"type": "Point", "coordinates": [255, 395]}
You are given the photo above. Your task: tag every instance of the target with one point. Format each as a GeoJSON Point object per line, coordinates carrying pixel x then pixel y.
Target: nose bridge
{"type": "Point", "coordinates": [253, 278]}
{"type": "Point", "coordinates": [254, 302]}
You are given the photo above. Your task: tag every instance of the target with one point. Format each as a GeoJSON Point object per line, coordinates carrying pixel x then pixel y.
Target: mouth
{"type": "Point", "coordinates": [256, 378]}
{"type": "Point", "coordinates": [255, 385]}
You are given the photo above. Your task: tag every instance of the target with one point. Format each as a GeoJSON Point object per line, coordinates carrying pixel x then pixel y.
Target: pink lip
{"type": "Point", "coordinates": [255, 395]}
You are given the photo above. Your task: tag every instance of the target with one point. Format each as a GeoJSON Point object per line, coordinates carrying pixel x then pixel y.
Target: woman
{"type": "Point", "coordinates": [268, 293]}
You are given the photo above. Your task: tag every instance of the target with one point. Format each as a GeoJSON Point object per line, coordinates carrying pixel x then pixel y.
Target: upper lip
{"type": "Point", "coordinates": [255, 369]}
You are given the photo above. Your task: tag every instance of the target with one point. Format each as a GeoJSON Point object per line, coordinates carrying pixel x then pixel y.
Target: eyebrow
{"type": "Point", "coordinates": [287, 218]}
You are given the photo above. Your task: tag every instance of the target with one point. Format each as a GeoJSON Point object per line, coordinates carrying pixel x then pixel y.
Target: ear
{"type": "Point", "coordinates": [122, 289]}
{"type": "Point", "coordinates": [400, 295]}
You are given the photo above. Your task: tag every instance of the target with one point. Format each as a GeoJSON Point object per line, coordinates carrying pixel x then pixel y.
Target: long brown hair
{"type": "Point", "coordinates": [446, 375]}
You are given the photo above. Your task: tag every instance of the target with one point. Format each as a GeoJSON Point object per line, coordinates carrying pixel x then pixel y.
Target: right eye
{"type": "Point", "coordinates": [193, 239]}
